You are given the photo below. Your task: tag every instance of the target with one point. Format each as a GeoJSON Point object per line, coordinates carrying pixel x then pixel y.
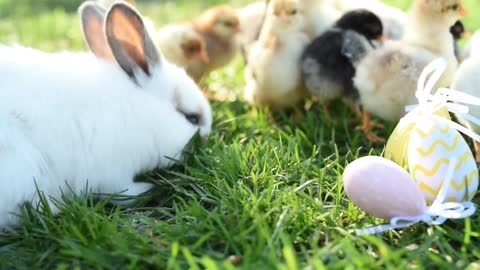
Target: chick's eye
{"type": "Point", "coordinates": [455, 7]}
{"type": "Point", "coordinates": [193, 118]}
{"type": "Point", "coordinates": [293, 12]}
{"type": "Point", "coordinates": [228, 24]}
{"type": "Point", "coordinates": [192, 48]}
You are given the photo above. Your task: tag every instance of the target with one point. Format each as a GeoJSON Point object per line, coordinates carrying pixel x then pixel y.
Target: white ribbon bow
{"type": "Point", "coordinates": [454, 101]}
{"type": "Point", "coordinates": [436, 214]}
{"type": "Point", "coordinates": [440, 211]}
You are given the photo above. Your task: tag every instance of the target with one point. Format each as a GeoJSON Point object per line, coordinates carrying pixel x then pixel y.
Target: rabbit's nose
{"type": "Point", "coordinates": [204, 132]}
{"type": "Point", "coordinates": [204, 139]}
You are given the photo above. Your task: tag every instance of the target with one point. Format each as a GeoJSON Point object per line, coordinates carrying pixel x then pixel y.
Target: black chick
{"type": "Point", "coordinates": [328, 63]}
{"type": "Point", "coordinates": [458, 31]}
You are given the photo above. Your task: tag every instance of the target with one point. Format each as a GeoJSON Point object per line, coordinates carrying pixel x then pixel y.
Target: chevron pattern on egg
{"type": "Point", "coordinates": [428, 133]}
{"type": "Point", "coordinates": [467, 181]}
{"type": "Point", "coordinates": [432, 146]}
{"type": "Point", "coordinates": [463, 160]}
{"type": "Point", "coordinates": [439, 142]}
{"type": "Point", "coordinates": [433, 171]}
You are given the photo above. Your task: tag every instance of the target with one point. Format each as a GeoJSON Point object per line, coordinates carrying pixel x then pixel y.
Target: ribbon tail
{"type": "Point", "coordinates": [424, 88]}
{"type": "Point", "coordinates": [439, 220]}
{"type": "Point", "coordinates": [458, 96]}
{"type": "Point", "coordinates": [395, 223]}
{"type": "Point", "coordinates": [375, 230]}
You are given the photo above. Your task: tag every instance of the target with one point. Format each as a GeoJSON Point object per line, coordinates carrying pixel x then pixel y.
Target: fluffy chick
{"type": "Point", "coordinates": [467, 80]}
{"type": "Point", "coordinates": [319, 16]}
{"type": "Point", "coordinates": [328, 63]}
{"type": "Point", "coordinates": [181, 45]}
{"type": "Point", "coordinates": [386, 78]}
{"type": "Point", "coordinates": [219, 27]}
{"type": "Point", "coordinates": [273, 74]}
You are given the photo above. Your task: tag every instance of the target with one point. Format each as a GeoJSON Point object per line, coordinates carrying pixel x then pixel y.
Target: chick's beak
{"type": "Point", "coordinates": [203, 56]}
{"type": "Point", "coordinates": [463, 11]}
{"type": "Point", "coordinates": [237, 28]}
{"type": "Point", "coordinates": [382, 38]}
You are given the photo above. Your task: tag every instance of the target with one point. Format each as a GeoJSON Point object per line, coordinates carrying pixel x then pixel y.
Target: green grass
{"type": "Point", "coordinates": [270, 193]}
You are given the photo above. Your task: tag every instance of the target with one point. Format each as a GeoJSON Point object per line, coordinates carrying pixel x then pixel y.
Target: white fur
{"type": "Point", "coordinates": [73, 118]}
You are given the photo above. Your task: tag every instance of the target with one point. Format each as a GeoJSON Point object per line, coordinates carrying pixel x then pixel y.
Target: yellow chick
{"type": "Point", "coordinates": [273, 73]}
{"type": "Point", "coordinates": [320, 15]}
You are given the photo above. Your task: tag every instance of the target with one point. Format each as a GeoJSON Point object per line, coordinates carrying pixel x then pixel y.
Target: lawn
{"type": "Point", "coordinates": [259, 195]}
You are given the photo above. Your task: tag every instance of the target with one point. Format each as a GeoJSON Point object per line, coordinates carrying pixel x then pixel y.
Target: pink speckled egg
{"type": "Point", "coordinates": [382, 188]}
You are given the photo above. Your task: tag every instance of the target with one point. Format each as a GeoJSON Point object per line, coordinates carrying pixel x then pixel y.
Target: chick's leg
{"type": "Point", "coordinates": [355, 108]}
{"type": "Point", "coordinates": [362, 118]}
{"type": "Point", "coordinates": [366, 128]}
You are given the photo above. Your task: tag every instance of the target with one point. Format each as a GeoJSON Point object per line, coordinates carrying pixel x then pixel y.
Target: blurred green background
{"type": "Point", "coordinates": [53, 24]}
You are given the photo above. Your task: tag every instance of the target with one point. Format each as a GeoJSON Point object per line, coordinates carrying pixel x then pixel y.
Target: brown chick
{"type": "Point", "coordinates": [219, 27]}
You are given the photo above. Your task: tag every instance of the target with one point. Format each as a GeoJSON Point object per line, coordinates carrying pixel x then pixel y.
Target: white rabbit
{"type": "Point", "coordinates": [80, 119]}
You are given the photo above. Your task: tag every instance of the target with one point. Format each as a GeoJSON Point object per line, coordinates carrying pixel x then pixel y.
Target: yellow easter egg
{"type": "Point", "coordinates": [397, 145]}
{"type": "Point", "coordinates": [433, 144]}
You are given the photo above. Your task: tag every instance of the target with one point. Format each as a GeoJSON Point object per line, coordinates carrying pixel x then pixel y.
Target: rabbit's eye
{"type": "Point", "coordinates": [193, 118]}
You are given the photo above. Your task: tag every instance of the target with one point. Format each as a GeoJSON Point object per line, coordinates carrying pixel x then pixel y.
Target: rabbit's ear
{"type": "Point", "coordinates": [92, 17]}
{"type": "Point", "coordinates": [129, 41]}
